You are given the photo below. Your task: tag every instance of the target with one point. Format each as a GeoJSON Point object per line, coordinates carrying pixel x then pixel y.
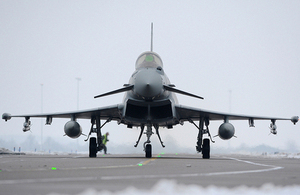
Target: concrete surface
{"type": "Point", "coordinates": [72, 174]}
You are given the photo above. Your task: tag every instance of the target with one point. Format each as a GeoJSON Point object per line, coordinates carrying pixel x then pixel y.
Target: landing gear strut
{"type": "Point", "coordinates": [142, 130]}
{"type": "Point", "coordinates": [203, 145]}
{"type": "Point", "coordinates": [147, 144]}
{"type": "Point", "coordinates": [96, 142]}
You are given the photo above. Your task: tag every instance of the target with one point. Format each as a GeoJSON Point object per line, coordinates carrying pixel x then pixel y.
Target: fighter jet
{"type": "Point", "coordinates": [149, 102]}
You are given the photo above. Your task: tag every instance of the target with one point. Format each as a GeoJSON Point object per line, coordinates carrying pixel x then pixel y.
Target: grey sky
{"type": "Point", "coordinates": [209, 48]}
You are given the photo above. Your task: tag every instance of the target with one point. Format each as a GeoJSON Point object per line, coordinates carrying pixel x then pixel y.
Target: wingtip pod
{"type": "Point", "coordinates": [6, 116]}
{"type": "Point", "coordinates": [295, 119]}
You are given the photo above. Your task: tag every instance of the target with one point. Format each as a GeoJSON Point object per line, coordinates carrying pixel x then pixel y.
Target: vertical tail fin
{"type": "Point", "coordinates": [151, 37]}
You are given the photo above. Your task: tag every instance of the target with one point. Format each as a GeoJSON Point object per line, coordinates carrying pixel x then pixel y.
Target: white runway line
{"type": "Point", "coordinates": [170, 176]}
{"type": "Point", "coordinates": [46, 180]}
{"type": "Point", "coordinates": [271, 168]}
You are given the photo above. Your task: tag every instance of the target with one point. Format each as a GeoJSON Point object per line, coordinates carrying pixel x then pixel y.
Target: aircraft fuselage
{"type": "Point", "coordinates": [148, 103]}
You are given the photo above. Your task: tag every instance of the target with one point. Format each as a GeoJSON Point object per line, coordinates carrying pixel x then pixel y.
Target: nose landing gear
{"type": "Point", "coordinates": [147, 144]}
{"type": "Point", "coordinates": [148, 151]}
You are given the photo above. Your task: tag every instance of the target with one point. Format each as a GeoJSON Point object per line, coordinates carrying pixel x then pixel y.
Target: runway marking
{"type": "Point", "coordinates": [147, 161]}
{"type": "Point", "coordinates": [253, 163]}
{"type": "Point", "coordinates": [272, 168]}
{"type": "Point", "coordinates": [69, 169]}
{"type": "Point", "coordinates": [47, 180]}
{"type": "Point", "coordinates": [86, 168]}
{"type": "Point", "coordinates": [64, 169]}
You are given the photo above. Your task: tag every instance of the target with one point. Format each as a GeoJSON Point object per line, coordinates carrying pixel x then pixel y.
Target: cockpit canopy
{"type": "Point", "coordinates": [148, 59]}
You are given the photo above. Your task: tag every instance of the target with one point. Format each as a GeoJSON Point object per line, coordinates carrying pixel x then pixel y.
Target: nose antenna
{"type": "Point", "coordinates": [151, 37]}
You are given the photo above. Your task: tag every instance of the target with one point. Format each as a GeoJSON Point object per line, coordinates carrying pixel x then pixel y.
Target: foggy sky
{"type": "Point", "coordinates": [241, 56]}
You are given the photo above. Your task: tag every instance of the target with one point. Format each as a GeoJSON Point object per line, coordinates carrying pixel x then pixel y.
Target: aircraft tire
{"type": "Point", "coordinates": [148, 151]}
{"type": "Point", "coordinates": [93, 147]}
{"type": "Point", "coordinates": [206, 149]}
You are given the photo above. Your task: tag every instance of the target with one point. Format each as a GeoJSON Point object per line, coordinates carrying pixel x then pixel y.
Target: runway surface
{"type": "Point", "coordinates": [73, 174]}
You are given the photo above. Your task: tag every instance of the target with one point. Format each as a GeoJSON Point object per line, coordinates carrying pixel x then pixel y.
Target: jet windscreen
{"type": "Point", "coordinates": [148, 59]}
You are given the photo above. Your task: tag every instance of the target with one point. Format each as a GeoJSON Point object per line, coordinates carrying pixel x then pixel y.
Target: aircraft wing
{"type": "Point", "coordinates": [109, 112]}
{"type": "Point", "coordinates": [186, 113]}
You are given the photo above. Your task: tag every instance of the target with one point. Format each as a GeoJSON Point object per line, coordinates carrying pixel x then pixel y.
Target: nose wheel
{"type": "Point", "coordinates": [147, 144]}
{"type": "Point", "coordinates": [148, 151]}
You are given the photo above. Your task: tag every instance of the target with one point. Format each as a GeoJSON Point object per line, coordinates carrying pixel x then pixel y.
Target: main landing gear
{"type": "Point", "coordinates": [203, 145]}
{"type": "Point", "coordinates": [93, 147]}
{"type": "Point", "coordinates": [147, 144]}
{"type": "Point", "coordinates": [96, 142]}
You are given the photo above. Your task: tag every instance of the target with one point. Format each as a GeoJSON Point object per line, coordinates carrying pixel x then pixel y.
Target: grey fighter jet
{"type": "Point", "coordinates": [150, 102]}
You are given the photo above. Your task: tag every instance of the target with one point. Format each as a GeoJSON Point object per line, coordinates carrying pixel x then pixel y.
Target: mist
{"type": "Point", "coordinates": [242, 57]}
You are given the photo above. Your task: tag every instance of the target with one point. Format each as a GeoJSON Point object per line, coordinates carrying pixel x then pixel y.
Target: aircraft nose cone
{"type": "Point", "coordinates": [148, 84]}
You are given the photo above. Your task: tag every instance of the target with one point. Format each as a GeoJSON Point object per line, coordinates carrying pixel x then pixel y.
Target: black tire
{"type": "Point", "coordinates": [93, 147]}
{"type": "Point", "coordinates": [206, 149]}
{"type": "Point", "coordinates": [148, 151]}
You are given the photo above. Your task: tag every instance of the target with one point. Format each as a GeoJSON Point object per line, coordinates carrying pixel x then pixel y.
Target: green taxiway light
{"type": "Point", "coordinates": [140, 165]}
{"type": "Point", "coordinates": [176, 153]}
{"type": "Point", "coordinates": [53, 168]}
